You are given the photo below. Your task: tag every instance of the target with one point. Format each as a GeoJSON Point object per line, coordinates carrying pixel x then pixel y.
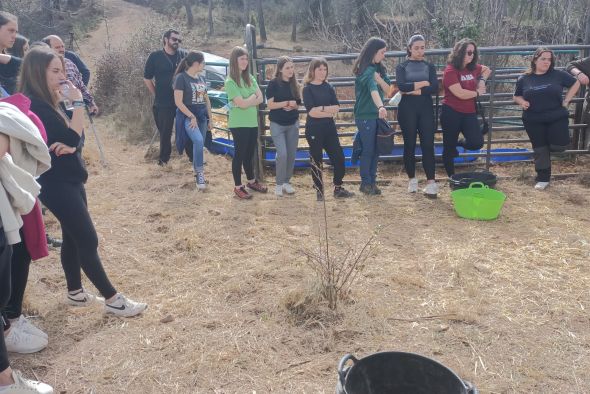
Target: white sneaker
{"type": "Point", "coordinates": [83, 298]}
{"type": "Point", "coordinates": [24, 325]}
{"type": "Point", "coordinates": [200, 180]}
{"type": "Point", "coordinates": [124, 307]}
{"type": "Point", "coordinates": [413, 185]}
{"type": "Point", "coordinates": [279, 190]}
{"type": "Point", "coordinates": [18, 341]}
{"type": "Point", "coordinates": [26, 386]}
{"type": "Point", "coordinates": [431, 190]}
{"type": "Point", "coordinates": [541, 185]}
{"type": "Point", "coordinates": [287, 188]}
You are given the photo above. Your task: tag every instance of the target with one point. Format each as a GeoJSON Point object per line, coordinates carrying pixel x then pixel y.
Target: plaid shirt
{"type": "Point", "coordinates": [74, 76]}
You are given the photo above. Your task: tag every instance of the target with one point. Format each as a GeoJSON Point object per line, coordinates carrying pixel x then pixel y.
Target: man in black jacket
{"type": "Point", "coordinates": [158, 73]}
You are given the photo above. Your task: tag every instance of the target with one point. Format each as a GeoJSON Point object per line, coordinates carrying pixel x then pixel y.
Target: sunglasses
{"type": "Point", "coordinates": [470, 53]}
{"type": "Point", "coordinates": [174, 39]}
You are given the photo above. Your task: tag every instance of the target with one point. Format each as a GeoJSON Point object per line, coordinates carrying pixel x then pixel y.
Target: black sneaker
{"type": "Point", "coordinates": [55, 242]}
{"type": "Point", "coordinates": [340, 192]}
{"type": "Point", "coordinates": [376, 190]}
{"type": "Point", "coordinates": [367, 189]}
{"type": "Point", "coordinates": [162, 163]}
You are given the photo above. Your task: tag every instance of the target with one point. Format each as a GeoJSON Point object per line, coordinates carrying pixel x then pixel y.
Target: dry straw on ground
{"type": "Point", "coordinates": [503, 303]}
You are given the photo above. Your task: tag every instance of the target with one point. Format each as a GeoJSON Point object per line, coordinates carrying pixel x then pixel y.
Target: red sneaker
{"type": "Point", "coordinates": [257, 186]}
{"type": "Point", "coordinates": [241, 193]}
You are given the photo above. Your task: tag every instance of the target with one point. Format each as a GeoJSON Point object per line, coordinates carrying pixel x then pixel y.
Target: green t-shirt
{"type": "Point", "coordinates": [241, 117]}
{"type": "Point", "coordinates": [364, 84]}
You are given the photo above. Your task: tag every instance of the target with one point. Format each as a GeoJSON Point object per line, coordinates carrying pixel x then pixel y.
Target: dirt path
{"type": "Point", "coordinates": [502, 303]}
{"type": "Point", "coordinates": [120, 20]}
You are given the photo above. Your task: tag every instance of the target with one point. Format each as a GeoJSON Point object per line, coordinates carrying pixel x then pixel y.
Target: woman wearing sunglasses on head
{"type": "Point", "coordinates": [463, 80]}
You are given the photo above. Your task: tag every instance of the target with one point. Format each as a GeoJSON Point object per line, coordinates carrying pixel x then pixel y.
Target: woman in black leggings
{"type": "Point", "coordinates": [416, 79]}
{"type": "Point", "coordinates": [463, 79]}
{"type": "Point", "coordinates": [322, 106]}
{"type": "Point", "coordinates": [62, 187]}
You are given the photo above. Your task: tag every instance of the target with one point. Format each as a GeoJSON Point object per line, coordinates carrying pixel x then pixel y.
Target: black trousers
{"type": "Point", "coordinates": [245, 139]}
{"type": "Point", "coordinates": [453, 123]}
{"type": "Point", "coordinates": [21, 261]}
{"type": "Point", "coordinates": [324, 137]}
{"type": "Point", "coordinates": [547, 137]}
{"type": "Point", "coordinates": [164, 118]}
{"type": "Point", "coordinates": [5, 268]}
{"type": "Point", "coordinates": [67, 202]}
{"type": "Point", "coordinates": [415, 117]}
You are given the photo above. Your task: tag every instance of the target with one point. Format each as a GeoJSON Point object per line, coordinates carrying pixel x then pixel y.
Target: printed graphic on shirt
{"type": "Point", "coordinates": [467, 77]}
{"type": "Point", "coordinates": [199, 90]}
{"type": "Point", "coordinates": [540, 87]}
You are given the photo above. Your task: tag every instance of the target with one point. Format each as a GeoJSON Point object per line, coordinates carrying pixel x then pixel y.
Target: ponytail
{"type": "Point", "coordinates": [189, 60]}
{"type": "Point", "coordinates": [182, 66]}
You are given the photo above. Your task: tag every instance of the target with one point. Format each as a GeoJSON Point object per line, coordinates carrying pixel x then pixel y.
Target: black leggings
{"type": "Point", "coordinates": [21, 260]}
{"type": "Point", "coordinates": [324, 137]}
{"type": "Point", "coordinates": [245, 139]}
{"type": "Point", "coordinates": [415, 116]}
{"type": "Point", "coordinates": [164, 118]}
{"type": "Point", "coordinates": [5, 268]}
{"type": "Point", "coordinates": [453, 123]}
{"type": "Point", "coordinates": [67, 202]}
{"type": "Point", "coordinates": [547, 137]}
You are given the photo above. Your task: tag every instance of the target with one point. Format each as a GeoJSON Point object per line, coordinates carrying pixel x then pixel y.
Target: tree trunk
{"type": "Point", "coordinates": [295, 20]}
{"type": "Point", "coordinates": [210, 19]}
{"type": "Point", "coordinates": [190, 20]}
{"type": "Point", "coordinates": [46, 4]}
{"type": "Point", "coordinates": [246, 12]}
{"type": "Point", "coordinates": [261, 25]}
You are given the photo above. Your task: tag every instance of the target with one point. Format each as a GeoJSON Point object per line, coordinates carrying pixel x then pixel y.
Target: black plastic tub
{"type": "Point", "coordinates": [398, 373]}
{"type": "Point", "coordinates": [462, 180]}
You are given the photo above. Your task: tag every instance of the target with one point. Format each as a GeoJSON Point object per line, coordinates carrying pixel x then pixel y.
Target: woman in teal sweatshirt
{"type": "Point", "coordinates": [369, 87]}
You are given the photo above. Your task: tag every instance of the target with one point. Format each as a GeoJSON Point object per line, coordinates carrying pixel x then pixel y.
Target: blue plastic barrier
{"type": "Point", "coordinates": [223, 146]}
{"type": "Point", "coordinates": [515, 157]}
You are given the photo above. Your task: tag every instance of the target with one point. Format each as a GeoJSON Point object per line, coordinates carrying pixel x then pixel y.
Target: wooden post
{"type": "Point", "coordinates": [250, 38]}
{"type": "Point", "coordinates": [491, 113]}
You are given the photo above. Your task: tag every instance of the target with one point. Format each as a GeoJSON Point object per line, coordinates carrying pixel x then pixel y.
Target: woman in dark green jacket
{"type": "Point", "coordinates": [369, 87]}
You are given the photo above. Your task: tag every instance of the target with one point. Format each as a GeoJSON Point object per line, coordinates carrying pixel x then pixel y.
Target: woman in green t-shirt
{"type": "Point", "coordinates": [244, 96]}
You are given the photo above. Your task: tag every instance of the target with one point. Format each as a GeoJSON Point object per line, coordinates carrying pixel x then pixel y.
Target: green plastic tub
{"type": "Point", "coordinates": [478, 202]}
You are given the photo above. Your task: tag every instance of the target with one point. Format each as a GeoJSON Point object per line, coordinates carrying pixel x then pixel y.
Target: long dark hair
{"type": "Point", "coordinates": [457, 55]}
{"type": "Point", "coordinates": [533, 66]}
{"type": "Point", "coordinates": [18, 49]}
{"type": "Point", "coordinates": [314, 65]}
{"type": "Point", "coordinates": [281, 61]}
{"type": "Point", "coordinates": [6, 17]}
{"type": "Point", "coordinates": [33, 75]}
{"type": "Point", "coordinates": [189, 60]}
{"type": "Point", "coordinates": [365, 58]}
{"type": "Point", "coordinates": [234, 69]}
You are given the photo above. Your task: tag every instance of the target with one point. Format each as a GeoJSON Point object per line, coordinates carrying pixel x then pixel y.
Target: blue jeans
{"type": "Point", "coordinates": [197, 136]}
{"type": "Point", "coordinates": [369, 155]}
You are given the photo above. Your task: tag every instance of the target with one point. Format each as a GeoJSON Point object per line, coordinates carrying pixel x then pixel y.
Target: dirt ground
{"type": "Point", "coordinates": [503, 303]}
